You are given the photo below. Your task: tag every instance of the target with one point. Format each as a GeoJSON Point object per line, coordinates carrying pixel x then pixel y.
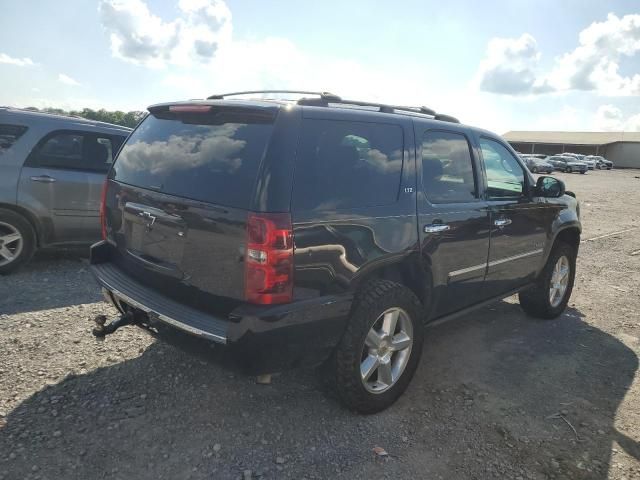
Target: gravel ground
{"type": "Point", "coordinates": [497, 394]}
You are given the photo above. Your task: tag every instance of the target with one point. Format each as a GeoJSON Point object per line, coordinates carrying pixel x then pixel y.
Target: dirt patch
{"type": "Point", "coordinates": [497, 394]}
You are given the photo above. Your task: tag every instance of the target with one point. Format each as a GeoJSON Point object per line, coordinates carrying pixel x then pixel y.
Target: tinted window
{"type": "Point", "coordinates": [61, 150]}
{"type": "Point", "coordinates": [447, 168]}
{"type": "Point", "coordinates": [505, 177]}
{"type": "Point", "coordinates": [216, 162]}
{"type": "Point", "coordinates": [9, 134]}
{"type": "Point", "coordinates": [343, 165]}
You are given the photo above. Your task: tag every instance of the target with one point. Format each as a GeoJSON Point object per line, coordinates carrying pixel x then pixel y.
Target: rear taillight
{"type": "Point", "coordinates": [103, 210]}
{"type": "Point", "coordinates": [269, 258]}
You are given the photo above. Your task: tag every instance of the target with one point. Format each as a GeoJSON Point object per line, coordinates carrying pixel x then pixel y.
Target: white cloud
{"type": "Point", "coordinates": [67, 80]}
{"type": "Point", "coordinates": [139, 36]}
{"type": "Point", "coordinates": [19, 62]}
{"type": "Point", "coordinates": [595, 63]}
{"type": "Point", "coordinates": [510, 65]}
{"type": "Point", "coordinates": [610, 118]}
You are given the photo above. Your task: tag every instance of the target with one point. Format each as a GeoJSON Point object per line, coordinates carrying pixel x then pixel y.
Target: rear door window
{"type": "Point", "coordinates": [342, 165]}
{"type": "Point", "coordinates": [197, 157]}
{"type": "Point", "coordinates": [9, 134]}
{"type": "Point", "coordinates": [447, 168]}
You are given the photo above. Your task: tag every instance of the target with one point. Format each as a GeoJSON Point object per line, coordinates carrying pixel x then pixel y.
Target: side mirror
{"type": "Point", "coordinates": [549, 187]}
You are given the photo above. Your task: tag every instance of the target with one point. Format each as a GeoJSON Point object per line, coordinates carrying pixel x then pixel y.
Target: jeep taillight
{"type": "Point", "coordinates": [103, 210]}
{"type": "Point", "coordinates": [269, 258]}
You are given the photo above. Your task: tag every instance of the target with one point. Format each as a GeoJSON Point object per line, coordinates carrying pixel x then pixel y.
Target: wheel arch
{"type": "Point", "coordinates": [408, 271]}
{"type": "Point", "coordinates": [29, 216]}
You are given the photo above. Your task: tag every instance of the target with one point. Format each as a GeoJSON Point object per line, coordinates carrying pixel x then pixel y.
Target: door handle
{"type": "Point", "coordinates": [436, 228]}
{"type": "Point", "coordinates": [502, 222]}
{"type": "Point", "coordinates": [43, 179]}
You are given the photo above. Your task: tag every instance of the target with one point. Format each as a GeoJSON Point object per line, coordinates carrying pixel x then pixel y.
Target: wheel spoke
{"type": "Point", "coordinates": [368, 366]}
{"type": "Point", "coordinates": [400, 341]}
{"type": "Point", "coordinates": [373, 339]}
{"type": "Point", "coordinates": [564, 271]}
{"type": "Point", "coordinates": [389, 322]}
{"type": "Point", "coordinates": [10, 238]}
{"type": "Point", "coordinates": [384, 372]}
{"type": "Point", "coordinates": [6, 253]}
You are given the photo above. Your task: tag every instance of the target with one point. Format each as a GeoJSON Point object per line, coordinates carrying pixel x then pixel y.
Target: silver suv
{"type": "Point", "coordinates": [52, 169]}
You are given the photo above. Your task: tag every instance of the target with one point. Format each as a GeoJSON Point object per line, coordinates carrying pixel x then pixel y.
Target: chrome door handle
{"type": "Point", "coordinates": [502, 222]}
{"type": "Point", "coordinates": [43, 179]}
{"type": "Point", "coordinates": [436, 228]}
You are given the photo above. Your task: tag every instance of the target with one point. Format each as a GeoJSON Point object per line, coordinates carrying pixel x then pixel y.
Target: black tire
{"type": "Point", "coordinates": [375, 298]}
{"type": "Point", "coordinates": [535, 301]}
{"type": "Point", "coordinates": [569, 170]}
{"type": "Point", "coordinates": [583, 172]}
{"type": "Point", "coordinates": [11, 220]}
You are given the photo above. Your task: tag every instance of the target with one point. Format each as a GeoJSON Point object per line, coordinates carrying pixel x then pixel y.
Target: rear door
{"type": "Point", "coordinates": [520, 223]}
{"type": "Point", "coordinates": [178, 200]}
{"type": "Point", "coordinates": [453, 218]}
{"type": "Point", "coordinates": [63, 175]}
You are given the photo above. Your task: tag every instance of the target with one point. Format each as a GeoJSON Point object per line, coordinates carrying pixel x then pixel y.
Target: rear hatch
{"type": "Point", "coordinates": [178, 199]}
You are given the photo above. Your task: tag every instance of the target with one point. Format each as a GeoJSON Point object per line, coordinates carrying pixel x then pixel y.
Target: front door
{"type": "Point", "coordinates": [63, 178]}
{"type": "Point", "coordinates": [453, 219]}
{"type": "Point", "coordinates": [519, 221]}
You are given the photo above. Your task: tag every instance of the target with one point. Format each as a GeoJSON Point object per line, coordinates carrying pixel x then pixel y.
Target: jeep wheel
{"type": "Point", "coordinates": [17, 241]}
{"type": "Point", "coordinates": [549, 297]}
{"type": "Point", "coordinates": [381, 347]}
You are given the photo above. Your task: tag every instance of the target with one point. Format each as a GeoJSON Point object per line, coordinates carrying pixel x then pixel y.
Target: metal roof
{"type": "Point", "coordinates": [572, 138]}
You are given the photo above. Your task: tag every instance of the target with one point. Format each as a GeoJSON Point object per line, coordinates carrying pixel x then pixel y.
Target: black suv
{"type": "Point", "coordinates": [296, 232]}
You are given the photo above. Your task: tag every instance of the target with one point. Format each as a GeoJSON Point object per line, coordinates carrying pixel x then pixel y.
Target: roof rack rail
{"type": "Point", "coordinates": [323, 95]}
{"type": "Point", "coordinates": [325, 98]}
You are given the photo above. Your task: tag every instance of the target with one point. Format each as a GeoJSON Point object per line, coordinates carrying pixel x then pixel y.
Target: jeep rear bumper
{"type": "Point", "coordinates": [263, 339]}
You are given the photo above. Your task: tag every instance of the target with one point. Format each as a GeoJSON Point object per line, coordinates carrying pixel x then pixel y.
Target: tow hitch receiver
{"type": "Point", "coordinates": [101, 330]}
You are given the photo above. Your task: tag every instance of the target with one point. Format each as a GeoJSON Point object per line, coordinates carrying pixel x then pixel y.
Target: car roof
{"type": "Point", "coordinates": [352, 111]}
{"type": "Point", "coordinates": [29, 117]}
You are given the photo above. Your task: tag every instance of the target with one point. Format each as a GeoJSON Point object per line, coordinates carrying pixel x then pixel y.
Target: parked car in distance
{"type": "Point", "coordinates": [591, 164]}
{"type": "Point", "coordinates": [296, 232]}
{"type": "Point", "coordinates": [567, 164]}
{"type": "Point", "coordinates": [601, 162]}
{"type": "Point", "coordinates": [536, 165]}
{"type": "Point", "coordinates": [52, 169]}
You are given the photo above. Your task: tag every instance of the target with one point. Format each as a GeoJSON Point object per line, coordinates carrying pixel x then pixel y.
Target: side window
{"type": "Point", "coordinates": [447, 168]}
{"type": "Point", "coordinates": [75, 151]}
{"type": "Point", "coordinates": [505, 177]}
{"type": "Point", "coordinates": [9, 134]}
{"type": "Point", "coordinates": [61, 150]}
{"type": "Point", "coordinates": [343, 165]}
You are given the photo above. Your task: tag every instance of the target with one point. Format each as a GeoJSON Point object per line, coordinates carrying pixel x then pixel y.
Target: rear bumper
{"type": "Point", "coordinates": [262, 339]}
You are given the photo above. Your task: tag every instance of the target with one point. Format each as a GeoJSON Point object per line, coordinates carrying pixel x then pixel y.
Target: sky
{"type": "Point", "coordinates": [500, 65]}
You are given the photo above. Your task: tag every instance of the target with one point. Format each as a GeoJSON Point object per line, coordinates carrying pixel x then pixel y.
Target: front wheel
{"type": "Point", "coordinates": [17, 241]}
{"type": "Point", "coordinates": [380, 349]}
{"type": "Point", "coordinates": [569, 170]}
{"type": "Point", "coordinates": [551, 293]}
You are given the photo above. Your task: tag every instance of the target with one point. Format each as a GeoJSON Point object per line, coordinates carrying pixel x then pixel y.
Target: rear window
{"type": "Point", "coordinates": [203, 157]}
{"type": "Point", "coordinates": [9, 134]}
{"type": "Point", "coordinates": [344, 165]}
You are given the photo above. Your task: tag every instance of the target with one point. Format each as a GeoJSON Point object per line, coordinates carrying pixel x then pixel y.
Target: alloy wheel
{"type": "Point", "coordinates": [559, 281]}
{"type": "Point", "coordinates": [386, 350]}
{"type": "Point", "coordinates": [11, 243]}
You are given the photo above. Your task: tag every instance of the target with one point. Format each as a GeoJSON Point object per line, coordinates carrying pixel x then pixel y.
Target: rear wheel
{"type": "Point", "coordinates": [381, 347]}
{"type": "Point", "coordinates": [549, 297]}
{"type": "Point", "coordinates": [583, 172]}
{"type": "Point", "coordinates": [17, 241]}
